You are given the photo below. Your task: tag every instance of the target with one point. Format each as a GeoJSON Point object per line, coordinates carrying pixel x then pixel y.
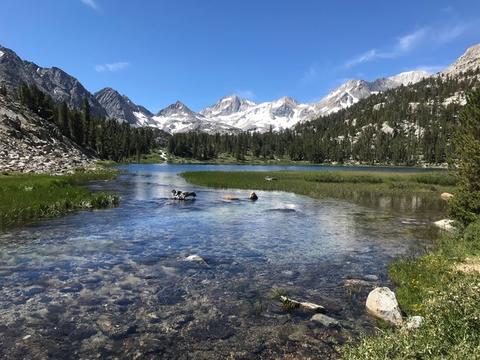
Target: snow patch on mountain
{"type": "Point", "coordinates": [410, 77]}
{"type": "Point", "coordinates": [279, 114]}
{"type": "Point", "coordinates": [179, 118]}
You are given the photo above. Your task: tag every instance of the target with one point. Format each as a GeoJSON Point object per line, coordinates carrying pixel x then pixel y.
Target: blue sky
{"type": "Point", "coordinates": [157, 52]}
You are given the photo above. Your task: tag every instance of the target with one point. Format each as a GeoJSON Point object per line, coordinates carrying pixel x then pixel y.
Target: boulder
{"type": "Point", "coordinates": [446, 196]}
{"type": "Point", "coordinates": [253, 196]}
{"type": "Point", "coordinates": [382, 303]}
{"type": "Point", "coordinates": [445, 224]}
{"type": "Point", "coordinates": [324, 320]}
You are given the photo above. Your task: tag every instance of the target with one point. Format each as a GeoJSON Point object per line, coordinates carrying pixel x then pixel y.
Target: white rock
{"type": "Point", "coordinates": [445, 224]}
{"type": "Point", "coordinates": [196, 258]}
{"type": "Point", "coordinates": [382, 303]}
{"type": "Point", "coordinates": [414, 322]}
{"type": "Point", "coordinates": [324, 320]}
{"type": "Point", "coordinates": [446, 196]}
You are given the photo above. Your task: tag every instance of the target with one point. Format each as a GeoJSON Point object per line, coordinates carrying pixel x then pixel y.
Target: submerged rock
{"type": "Point", "coordinates": [324, 320]}
{"type": "Point", "coordinates": [230, 198]}
{"type": "Point", "coordinates": [382, 303]}
{"type": "Point", "coordinates": [115, 330]}
{"type": "Point", "coordinates": [196, 259]}
{"type": "Point", "coordinates": [358, 283]}
{"type": "Point", "coordinates": [72, 288]}
{"type": "Point", "coordinates": [253, 196]}
{"type": "Point", "coordinates": [370, 277]}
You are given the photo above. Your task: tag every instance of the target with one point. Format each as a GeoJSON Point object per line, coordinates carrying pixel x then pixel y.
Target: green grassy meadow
{"type": "Point", "coordinates": [27, 197]}
{"type": "Point", "coordinates": [338, 184]}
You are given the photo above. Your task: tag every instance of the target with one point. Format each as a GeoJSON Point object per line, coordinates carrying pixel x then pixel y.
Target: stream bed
{"type": "Point", "coordinates": [115, 284]}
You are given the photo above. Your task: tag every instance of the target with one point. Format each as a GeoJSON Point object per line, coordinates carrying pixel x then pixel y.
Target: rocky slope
{"type": "Point", "coordinates": [469, 61]}
{"type": "Point", "coordinates": [121, 107]}
{"type": "Point", "coordinates": [29, 143]}
{"type": "Point", "coordinates": [57, 83]}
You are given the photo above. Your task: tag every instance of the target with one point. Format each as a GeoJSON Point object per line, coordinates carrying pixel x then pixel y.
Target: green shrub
{"type": "Point", "coordinates": [472, 232]}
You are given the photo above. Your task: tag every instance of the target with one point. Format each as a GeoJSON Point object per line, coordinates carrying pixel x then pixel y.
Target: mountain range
{"type": "Point", "coordinates": [230, 114]}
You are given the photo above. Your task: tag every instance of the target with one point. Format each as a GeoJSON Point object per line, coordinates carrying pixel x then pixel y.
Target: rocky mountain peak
{"type": "Point", "coordinates": [178, 108]}
{"type": "Point", "coordinates": [120, 107]}
{"type": "Point", "coordinates": [53, 81]}
{"type": "Point", "coordinates": [227, 105]}
{"type": "Point", "coordinates": [470, 60]}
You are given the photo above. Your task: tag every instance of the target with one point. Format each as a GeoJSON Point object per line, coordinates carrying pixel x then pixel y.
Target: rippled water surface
{"type": "Point", "coordinates": [115, 283]}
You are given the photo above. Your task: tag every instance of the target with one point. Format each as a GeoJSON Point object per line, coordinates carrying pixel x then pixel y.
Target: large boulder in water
{"type": "Point", "coordinates": [382, 303]}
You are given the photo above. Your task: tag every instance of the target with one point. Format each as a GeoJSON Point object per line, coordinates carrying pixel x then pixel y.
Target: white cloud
{"type": "Point", "coordinates": [362, 58]}
{"type": "Point", "coordinates": [92, 4]}
{"type": "Point", "coordinates": [245, 94]}
{"type": "Point", "coordinates": [411, 41]}
{"type": "Point", "coordinates": [112, 67]}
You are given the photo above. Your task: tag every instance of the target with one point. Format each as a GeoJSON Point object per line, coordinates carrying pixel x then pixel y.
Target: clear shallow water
{"type": "Point", "coordinates": [114, 283]}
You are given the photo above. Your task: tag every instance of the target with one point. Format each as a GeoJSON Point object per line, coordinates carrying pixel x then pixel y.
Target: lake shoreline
{"type": "Point", "coordinates": [163, 157]}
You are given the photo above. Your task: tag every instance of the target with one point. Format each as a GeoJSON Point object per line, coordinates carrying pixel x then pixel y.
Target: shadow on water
{"type": "Point", "coordinates": [116, 283]}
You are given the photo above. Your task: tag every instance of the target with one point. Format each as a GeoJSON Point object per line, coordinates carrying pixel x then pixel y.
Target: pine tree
{"type": "Point", "coordinates": [465, 206]}
{"type": "Point", "coordinates": [86, 119]}
{"type": "Point", "coordinates": [62, 119]}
